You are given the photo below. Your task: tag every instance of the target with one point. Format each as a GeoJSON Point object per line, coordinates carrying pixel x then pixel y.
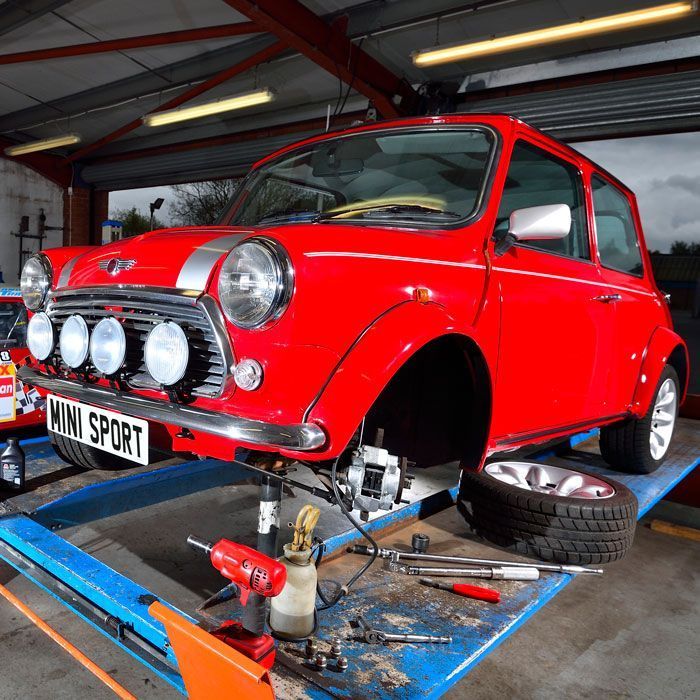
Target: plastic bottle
{"type": "Point", "coordinates": [292, 612]}
{"type": "Point", "coordinates": [12, 462]}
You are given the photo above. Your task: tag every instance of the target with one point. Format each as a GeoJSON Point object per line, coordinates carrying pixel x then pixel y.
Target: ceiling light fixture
{"type": "Point", "coordinates": [225, 104]}
{"type": "Point", "coordinates": [43, 145]}
{"type": "Point", "coordinates": [587, 27]}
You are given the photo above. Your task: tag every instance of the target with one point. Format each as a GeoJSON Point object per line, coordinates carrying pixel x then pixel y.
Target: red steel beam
{"type": "Point", "coordinates": [315, 124]}
{"type": "Point", "coordinates": [222, 77]}
{"type": "Point", "coordinates": [304, 31]}
{"type": "Point", "coordinates": [134, 42]}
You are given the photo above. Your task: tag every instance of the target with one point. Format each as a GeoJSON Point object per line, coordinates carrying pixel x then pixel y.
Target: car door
{"type": "Point", "coordinates": [555, 338]}
{"type": "Point", "coordinates": [637, 307]}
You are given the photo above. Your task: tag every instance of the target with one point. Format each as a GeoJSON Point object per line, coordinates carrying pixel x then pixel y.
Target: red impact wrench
{"type": "Point", "coordinates": [464, 589]}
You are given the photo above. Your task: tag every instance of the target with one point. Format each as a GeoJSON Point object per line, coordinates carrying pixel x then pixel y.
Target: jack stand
{"type": "Point", "coordinates": [249, 637]}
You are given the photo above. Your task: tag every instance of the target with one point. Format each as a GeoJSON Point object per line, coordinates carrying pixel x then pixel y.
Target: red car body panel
{"type": "Point", "coordinates": [558, 361]}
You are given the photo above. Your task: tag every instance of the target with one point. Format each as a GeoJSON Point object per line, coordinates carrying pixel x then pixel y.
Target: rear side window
{"type": "Point", "coordinates": [534, 178]}
{"type": "Point", "coordinates": [618, 243]}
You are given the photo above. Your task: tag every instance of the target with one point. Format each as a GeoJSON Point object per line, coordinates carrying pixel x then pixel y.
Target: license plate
{"type": "Point", "coordinates": [112, 432]}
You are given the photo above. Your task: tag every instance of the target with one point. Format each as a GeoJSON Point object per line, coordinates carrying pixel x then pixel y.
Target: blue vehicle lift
{"type": "Point", "coordinates": [30, 541]}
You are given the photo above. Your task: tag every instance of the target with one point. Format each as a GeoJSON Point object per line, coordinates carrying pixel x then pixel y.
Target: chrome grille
{"type": "Point", "coordinates": [139, 311]}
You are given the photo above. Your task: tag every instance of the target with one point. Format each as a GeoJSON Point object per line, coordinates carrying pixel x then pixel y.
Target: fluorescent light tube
{"type": "Point", "coordinates": [588, 27]}
{"type": "Point", "coordinates": [43, 145]}
{"type": "Point", "coordinates": [226, 104]}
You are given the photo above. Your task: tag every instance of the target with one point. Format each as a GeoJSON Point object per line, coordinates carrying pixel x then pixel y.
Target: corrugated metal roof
{"type": "Point", "coordinates": [94, 95]}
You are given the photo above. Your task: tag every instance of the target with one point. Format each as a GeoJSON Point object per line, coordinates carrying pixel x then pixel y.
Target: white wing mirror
{"type": "Point", "coordinates": [544, 223]}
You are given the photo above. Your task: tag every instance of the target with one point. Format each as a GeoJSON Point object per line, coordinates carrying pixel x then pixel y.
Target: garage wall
{"type": "Point", "coordinates": [23, 192]}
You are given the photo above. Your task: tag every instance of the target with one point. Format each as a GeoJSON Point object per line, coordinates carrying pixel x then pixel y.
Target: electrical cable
{"type": "Point", "coordinates": [363, 569]}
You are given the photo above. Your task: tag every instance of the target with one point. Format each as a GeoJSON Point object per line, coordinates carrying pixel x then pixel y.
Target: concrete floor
{"type": "Point", "coordinates": [630, 633]}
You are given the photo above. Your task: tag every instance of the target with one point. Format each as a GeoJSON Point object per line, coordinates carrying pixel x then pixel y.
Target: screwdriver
{"type": "Point", "coordinates": [464, 589]}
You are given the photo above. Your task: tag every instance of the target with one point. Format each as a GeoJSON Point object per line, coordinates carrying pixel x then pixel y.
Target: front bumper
{"type": "Point", "coordinates": [299, 436]}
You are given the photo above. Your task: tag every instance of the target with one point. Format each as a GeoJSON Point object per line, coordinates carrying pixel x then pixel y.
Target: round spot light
{"type": "Point", "coordinates": [167, 353]}
{"type": "Point", "coordinates": [108, 346]}
{"type": "Point", "coordinates": [74, 341]}
{"type": "Point", "coordinates": [248, 375]}
{"type": "Point", "coordinates": [41, 337]}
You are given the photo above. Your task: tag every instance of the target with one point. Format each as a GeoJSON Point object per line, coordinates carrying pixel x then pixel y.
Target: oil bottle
{"type": "Point", "coordinates": [293, 611]}
{"type": "Point", "coordinates": [12, 463]}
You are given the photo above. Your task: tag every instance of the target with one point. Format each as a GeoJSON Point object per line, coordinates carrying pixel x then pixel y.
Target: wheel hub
{"type": "Point", "coordinates": [663, 419]}
{"type": "Point", "coordinates": [545, 478]}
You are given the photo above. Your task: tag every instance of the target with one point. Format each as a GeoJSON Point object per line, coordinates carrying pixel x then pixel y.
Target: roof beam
{"type": "Point", "coordinates": [301, 29]}
{"type": "Point", "coordinates": [314, 124]}
{"type": "Point", "coordinates": [134, 42]}
{"type": "Point", "coordinates": [16, 13]}
{"type": "Point", "coordinates": [221, 77]}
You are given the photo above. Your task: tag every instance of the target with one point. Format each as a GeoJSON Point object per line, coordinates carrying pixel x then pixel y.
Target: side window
{"type": "Point", "coordinates": [618, 244]}
{"type": "Point", "coordinates": [535, 177]}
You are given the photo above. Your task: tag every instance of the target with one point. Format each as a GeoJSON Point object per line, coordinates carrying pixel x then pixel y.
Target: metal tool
{"type": "Point", "coordinates": [464, 589]}
{"type": "Point", "coordinates": [502, 573]}
{"type": "Point", "coordinates": [415, 556]}
{"type": "Point", "coordinates": [420, 543]}
{"type": "Point", "coordinates": [336, 648]}
{"type": "Point", "coordinates": [372, 636]}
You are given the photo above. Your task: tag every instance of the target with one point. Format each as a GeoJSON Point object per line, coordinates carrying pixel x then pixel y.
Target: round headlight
{"type": "Point", "coordinates": [256, 283]}
{"type": "Point", "coordinates": [35, 281]}
{"type": "Point", "coordinates": [40, 336]}
{"type": "Point", "coordinates": [108, 346]}
{"type": "Point", "coordinates": [166, 353]}
{"type": "Point", "coordinates": [74, 341]}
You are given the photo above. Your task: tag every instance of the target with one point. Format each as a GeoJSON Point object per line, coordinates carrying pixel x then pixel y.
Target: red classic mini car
{"type": "Point", "coordinates": [459, 285]}
{"type": "Point", "coordinates": [20, 406]}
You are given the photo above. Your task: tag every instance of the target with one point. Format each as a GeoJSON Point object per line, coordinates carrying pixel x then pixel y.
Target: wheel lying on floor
{"type": "Point", "coordinates": [549, 512]}
{"type": "Point", "coordinates": [86, 457]}
{"type": "Point", "coordinates": [639, 445]}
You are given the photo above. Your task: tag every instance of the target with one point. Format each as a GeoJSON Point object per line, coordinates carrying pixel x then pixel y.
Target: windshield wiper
{"type": "Point", "coordinates": [390, 211]}
{"type": "Point", "coordinates": [289, 215]}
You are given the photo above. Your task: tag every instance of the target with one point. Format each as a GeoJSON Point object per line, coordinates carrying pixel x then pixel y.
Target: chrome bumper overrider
{"type": "Point", "coordinates": [299, 436]}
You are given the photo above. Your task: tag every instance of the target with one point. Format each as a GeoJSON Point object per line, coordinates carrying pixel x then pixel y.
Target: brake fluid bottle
{"type": "Point", "coordinates": [292, 611]}
{"type": "Point", "coordinates": [12, 461]}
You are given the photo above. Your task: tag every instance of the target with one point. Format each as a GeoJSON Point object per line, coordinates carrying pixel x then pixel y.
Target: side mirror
{"type": "Point", "coordinates": [544, 223]}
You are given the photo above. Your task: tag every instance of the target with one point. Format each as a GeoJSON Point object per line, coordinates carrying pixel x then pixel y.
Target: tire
{"type": "Point", "coordinates": [562, 529]}
{"type": "Point", "coordinates": [627, 445]}
{"type": "Point", "coordinates": [86, 457]}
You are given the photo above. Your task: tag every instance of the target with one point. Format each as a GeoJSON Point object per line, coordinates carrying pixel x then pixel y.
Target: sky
{"type": "Point", "coordinates": [663, 171]}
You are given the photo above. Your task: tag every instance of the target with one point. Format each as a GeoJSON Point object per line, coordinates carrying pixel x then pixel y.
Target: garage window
{"type": "Point", "coordinates": [618, 243]}
{"type": "Point", "coordinates": [536, 177]}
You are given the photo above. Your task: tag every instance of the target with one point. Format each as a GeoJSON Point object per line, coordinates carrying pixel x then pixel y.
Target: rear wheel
{"type": "Point", "coordinates": [551, 513]}
{"type": "Point", "coordinates": [86, 457]}
{"type": "Point", "coordinates": [639, 445]}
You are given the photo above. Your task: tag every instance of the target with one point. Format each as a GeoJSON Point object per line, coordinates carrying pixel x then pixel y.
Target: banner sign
{"type": "Point", "coordinates": [8, 389]}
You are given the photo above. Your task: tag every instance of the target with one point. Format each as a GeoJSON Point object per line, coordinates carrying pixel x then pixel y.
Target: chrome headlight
{"type": "Point", "coordinates": [256, 283]}
{"type": "Point", "coordinates": [74, 341]}
{"type": "Point", "coordinates": [41, 337]}
{"type": "Point", "coordinates": [167, 353]}
{"type": "Point", "coordinates": [108, 346]}
{"type": "Point", "coordinates": [35, 281]}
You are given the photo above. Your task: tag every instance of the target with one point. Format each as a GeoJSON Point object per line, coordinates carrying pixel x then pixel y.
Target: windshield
{"type": "Point", "coordinates": [13, 324]}
{"type": "Point", "coordinates": [434, 176]}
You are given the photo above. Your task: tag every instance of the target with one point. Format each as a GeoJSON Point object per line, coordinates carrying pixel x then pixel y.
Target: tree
{"type": "Point", "coordinates": [685, 248]}
{"type": "Point", "coordinates": [135, 222]}
{"type": "Point", "coordinates": [200, 203]}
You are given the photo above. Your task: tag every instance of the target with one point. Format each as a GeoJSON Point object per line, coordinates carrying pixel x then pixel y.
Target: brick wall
{"type": "Point", "coordinates": [83, 213]}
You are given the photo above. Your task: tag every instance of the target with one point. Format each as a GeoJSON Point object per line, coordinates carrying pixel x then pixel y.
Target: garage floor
{"type": "Point", "coordinates": [626, 634]}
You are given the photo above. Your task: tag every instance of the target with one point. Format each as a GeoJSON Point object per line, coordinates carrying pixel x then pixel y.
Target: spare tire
{"type": "Point", "coordinates": [549, 512]}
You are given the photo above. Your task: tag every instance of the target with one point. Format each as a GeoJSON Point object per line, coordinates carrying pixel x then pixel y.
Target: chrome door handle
{"type": "Point", "coordinates": [608, 298]}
